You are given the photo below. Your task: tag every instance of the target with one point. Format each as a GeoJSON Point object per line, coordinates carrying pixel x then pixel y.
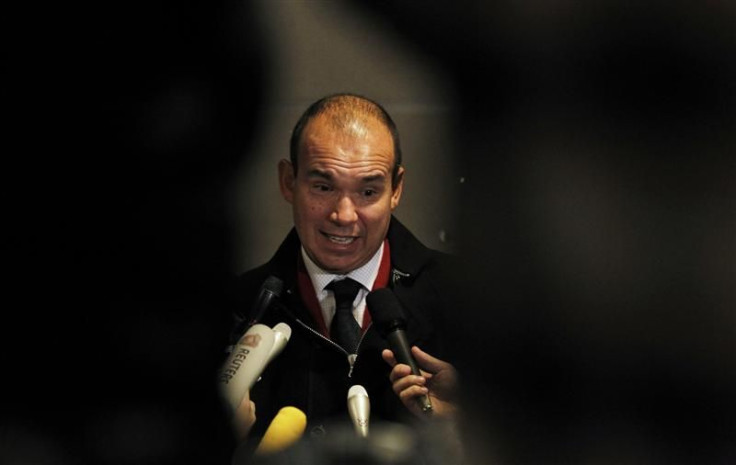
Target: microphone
{"type": "Point", "coordinates": [270, 291]}
{"type": "Point", "coordinates": [245, 363]}
{"type": "Point", "coordinates": [389, 319]}
{"type": "Point", "coordinates": [286, 428]}
{"type": "Point", "coordinates": [359, 407]}
{"type": "Point", "coordinates": [281, 333]}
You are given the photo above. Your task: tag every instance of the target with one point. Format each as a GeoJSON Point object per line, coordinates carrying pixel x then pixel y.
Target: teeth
{"type": "Point", "coordinates": [340, 240]}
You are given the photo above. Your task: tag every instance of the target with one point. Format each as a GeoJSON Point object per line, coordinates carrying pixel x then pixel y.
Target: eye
{"type": "Point", "coordinates": [321, 187]}
{"type": "Point", "coordinates": [369, 192]}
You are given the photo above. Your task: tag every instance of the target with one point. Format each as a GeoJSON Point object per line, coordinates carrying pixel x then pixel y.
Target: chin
{"type": "Point", "coordinates": [339, 267]}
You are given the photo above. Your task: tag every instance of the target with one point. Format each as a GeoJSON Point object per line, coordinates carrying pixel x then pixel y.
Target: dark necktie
{"type": "Point", "coordinates": [344, 330]}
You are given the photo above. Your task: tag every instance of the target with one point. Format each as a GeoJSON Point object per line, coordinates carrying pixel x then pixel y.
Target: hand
{"type": "Point", "coordinates": [244, 418]}
{"type": "Point", "coordinates": [438, 379]}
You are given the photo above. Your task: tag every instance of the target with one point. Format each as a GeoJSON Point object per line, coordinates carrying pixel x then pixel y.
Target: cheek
{"type": "Point", "coordinates": [376, 219]}
{"type": "Point", "coordinates": [312, 209]}
{"type": "Point", "coordinates": [315, 207]}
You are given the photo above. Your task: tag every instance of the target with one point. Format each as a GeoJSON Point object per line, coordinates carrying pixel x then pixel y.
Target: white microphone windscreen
{"type": "Point", "coordinates": [281, 333]}
{"type": "Point", "coordinates": [284, 329]}
{"type": "Point", "coordinates": [359, 408]}
{"type": "Point", "coordinates": [245, 363]}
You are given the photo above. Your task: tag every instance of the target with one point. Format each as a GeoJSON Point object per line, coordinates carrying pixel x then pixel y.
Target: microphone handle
{"type": "Point", "coordinates": [402, 351]}
{"type": "Point", "coordinates": [265, 298]}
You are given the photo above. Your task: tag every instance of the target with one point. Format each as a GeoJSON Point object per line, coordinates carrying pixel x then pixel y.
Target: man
{"type": "Point", "coordinates": [343, 180]}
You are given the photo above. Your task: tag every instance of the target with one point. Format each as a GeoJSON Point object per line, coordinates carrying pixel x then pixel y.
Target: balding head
{"type": "Point", "coordinates": [346, 113]}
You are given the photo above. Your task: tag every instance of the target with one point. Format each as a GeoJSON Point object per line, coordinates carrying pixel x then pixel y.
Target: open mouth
{"type": "Point", "coordinates": [342, 240]}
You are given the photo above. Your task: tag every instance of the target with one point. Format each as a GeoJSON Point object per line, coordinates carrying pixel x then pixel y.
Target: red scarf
{"type": "Point", "coordinates": [306, 290]}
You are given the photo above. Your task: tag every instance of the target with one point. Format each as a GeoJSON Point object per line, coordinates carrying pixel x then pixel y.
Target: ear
{"type": "Point", "coordinates": [286, 180]}
{"type": "Point", "coordinates": [397, 189]}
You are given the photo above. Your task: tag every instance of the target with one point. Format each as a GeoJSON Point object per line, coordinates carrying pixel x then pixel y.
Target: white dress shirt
{"type": "Point", "coordinates": [365, 275]}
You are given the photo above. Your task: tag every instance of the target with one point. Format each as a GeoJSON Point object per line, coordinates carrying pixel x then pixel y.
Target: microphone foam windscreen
{"type": "Point", "coordinates": [385, 309]}
{"type": "Point", "coordinates": [286, 428]}
{"type": "Point", "coordinates": [273, 284]}
{"type": "Point", "coordinates": [283, 329]}
{"type": "Point", "coordinates": [357, 390]}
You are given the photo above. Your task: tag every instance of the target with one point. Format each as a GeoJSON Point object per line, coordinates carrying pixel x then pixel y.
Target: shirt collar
{"type": "Point", "coordinates": [365, 275]}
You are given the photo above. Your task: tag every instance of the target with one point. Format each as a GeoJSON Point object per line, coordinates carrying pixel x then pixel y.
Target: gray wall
{"type": "Point", "coordinates": [318, 48]}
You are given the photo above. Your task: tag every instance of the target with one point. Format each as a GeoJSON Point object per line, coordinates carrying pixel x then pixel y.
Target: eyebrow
{"type": "Point", "coordinates": [375, 177]}
{"type": "Point", "coordinates": [317, 173]}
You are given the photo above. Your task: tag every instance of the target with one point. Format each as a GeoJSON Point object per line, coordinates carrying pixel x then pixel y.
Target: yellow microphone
{"type": "Point", "coordinates": [286, 428]}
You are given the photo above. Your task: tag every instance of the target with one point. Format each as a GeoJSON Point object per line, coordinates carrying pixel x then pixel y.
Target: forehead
{"type": "Point", "coordinates": [326, 137]}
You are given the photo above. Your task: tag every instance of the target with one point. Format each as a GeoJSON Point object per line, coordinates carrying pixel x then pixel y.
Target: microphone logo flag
{"type": "Point", "coordinates": [250, 340]}
{"type": "Point", "coordinates": [250, 356]}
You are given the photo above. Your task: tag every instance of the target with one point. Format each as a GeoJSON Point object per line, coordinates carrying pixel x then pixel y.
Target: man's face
{"type": "Point", "coordinates": [342, 197]}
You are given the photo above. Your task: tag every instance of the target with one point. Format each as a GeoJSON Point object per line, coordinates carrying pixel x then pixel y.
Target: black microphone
{"type": "Point", "coordinates": [388, 318]}
{"type": "Point", "coordinates": [270, 291]}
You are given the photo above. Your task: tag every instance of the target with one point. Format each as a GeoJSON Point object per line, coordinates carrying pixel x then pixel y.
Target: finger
{"type": "Point", "coordinates": [408, 382]}
{"type": "Point", "coordinates": [251, 413]}
{"type": "Point", "coordinates": [388, 357]}
{"type": "Point", "coordinates": [244, 418]}
{"type": "Point", "coordinates": [399, 371]}
{"type": "Point", "coordinates": [426, 361]}
{"type": "Point", "coordinates": [407, 395]}
{"type": "Point", "coordinates": [244, 406]}
{"type": "Point", "coordinates": [246, 410]}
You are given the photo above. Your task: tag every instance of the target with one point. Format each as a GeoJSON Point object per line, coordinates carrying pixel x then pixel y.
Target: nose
{"type": "Point", "coordinates": [344, 212]}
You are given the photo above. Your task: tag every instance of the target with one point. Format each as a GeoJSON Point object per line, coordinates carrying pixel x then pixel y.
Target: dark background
{"type": "Point", "coordinates": [596, 217]}
{"type": "Point", "coordinates": [126, 121]}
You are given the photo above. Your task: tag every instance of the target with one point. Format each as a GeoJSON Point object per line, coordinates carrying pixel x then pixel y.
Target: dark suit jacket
{"type": "Point", "coordinates": [311, 373]}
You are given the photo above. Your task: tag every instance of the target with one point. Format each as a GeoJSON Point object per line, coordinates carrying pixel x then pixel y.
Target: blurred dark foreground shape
{"type": "Point", "coordinates": [595, 144]}
{"type": "Point", "coordinates": [126, 123]}
{"type": "Point", "coordinates": [598, 219]}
